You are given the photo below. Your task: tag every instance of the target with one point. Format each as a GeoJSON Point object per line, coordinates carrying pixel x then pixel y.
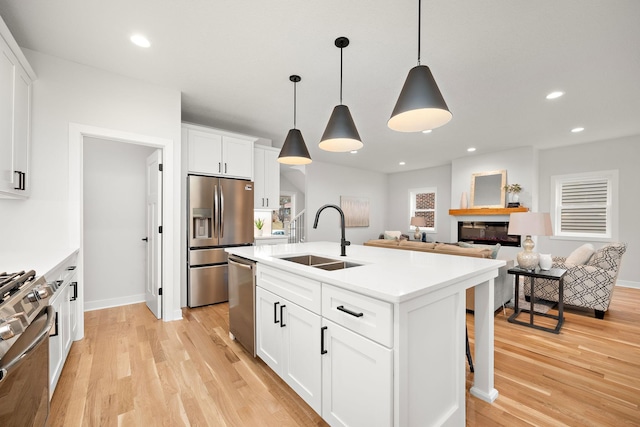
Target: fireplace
{"type": "Point", "coordinates": [486, 232]}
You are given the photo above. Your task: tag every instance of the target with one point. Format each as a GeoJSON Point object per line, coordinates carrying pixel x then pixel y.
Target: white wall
{"type": "Point", "coordinates": [398, 215]}
{"type": "Point", "coordinates": [65, 93]}
{"type": "Point", "coordinates": [621, 154]}
{"type": "Point", "coordinates": [114, 222]}
{"type": "Point", "coordinates": [521, 167]}
{"type": "Point", "coordinates": [326, 183]}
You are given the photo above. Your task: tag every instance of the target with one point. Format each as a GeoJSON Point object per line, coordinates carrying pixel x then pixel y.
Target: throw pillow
{"type": "Point", "coordinates": [580, 256]}
{"type": "Point", "coordinates": [392, 235]}
{"type": "Point", "coordinates": [494, 248]}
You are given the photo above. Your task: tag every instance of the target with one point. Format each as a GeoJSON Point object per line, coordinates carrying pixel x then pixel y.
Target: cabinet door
{"type": "Point", "coordinates": [269, 335]}
{"type": "Point", "coordinates": [272, 179]}
{"type": "Point", "coordinates": [22, 126]}
{"type": "Point", "coordinates": [73, 313]}
{"type": "Point", "coordinates": [204, 152]}
{"type": "Point", "coordinates": [65, 321]}
{"type": "Point", "coordinates": [259, 182]}
{"type": "Point", "coordinates": [7, 67]}
{"type": "Point", "coordinates": [357, 379]}
{"type": "Point", "coordinates": [237, 155]}
{"type": "Point", "coordinates": [302, 361]}
{"type": "Point", "coordinates": [56, 345]}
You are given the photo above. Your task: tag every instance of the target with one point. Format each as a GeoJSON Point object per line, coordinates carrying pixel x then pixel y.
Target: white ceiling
{"type": "Point", "coordinates": [494, 61]}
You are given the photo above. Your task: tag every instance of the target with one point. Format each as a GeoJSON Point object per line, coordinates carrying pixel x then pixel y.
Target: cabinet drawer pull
{"type": "Point", "coordinates": [322, 349]}
{"type": "Point", "coordinates": [56, 331]}
{"type": "Point", "coordinates": [282, 325]}
{"type": "Point", "coordinates": [346, 310]}
{"type": "Point", "coordinates": [75, 291]}
{"type": "Point", "coordinates": [275, 312]}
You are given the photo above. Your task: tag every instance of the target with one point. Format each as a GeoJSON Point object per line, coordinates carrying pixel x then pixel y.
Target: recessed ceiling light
{"type": "Point", "coordinates": [402, 163]}
{"type": "Point", "coordinates": [576, 130]}
{"type": "Point", "coordinates": [554, 95]}
{"type": "Point", "coordinates": [140, 40]}
{"type": "Point", "coordinates": [427, 131]}
{"type": "Point", "coordinates": [354, 151]}
{"type": "Point", "coordinates": [471, 149]}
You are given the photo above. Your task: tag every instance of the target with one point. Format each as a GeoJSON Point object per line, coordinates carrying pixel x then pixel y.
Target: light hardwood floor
{"type": "Point", "coordinates": [132, 370]}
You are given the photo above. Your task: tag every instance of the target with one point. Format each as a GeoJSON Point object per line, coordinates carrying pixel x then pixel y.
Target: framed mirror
{"type": "Point", "coordinates": [487, 189]}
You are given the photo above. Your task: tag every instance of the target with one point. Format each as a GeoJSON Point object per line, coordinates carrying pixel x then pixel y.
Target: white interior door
{"type": "Point", "coordinates": [153, 288]}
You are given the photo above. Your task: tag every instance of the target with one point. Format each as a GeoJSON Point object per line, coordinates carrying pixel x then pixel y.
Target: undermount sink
{"type": "Point", "coordinates": [323, 263]}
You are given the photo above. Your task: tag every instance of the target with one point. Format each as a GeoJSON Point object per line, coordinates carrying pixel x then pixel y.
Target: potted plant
{"type": "Point", "coordinates": [513, 190]}
{"type": "Point", "coordinates": [259, 224]}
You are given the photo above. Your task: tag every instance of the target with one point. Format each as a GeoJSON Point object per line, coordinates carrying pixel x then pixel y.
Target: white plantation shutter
{"type": "Point", "coordinates": [583, 205]}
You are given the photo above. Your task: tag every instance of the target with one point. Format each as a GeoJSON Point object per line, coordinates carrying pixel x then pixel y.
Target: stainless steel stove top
{"type": "Point", "coordinates": [22, 297]}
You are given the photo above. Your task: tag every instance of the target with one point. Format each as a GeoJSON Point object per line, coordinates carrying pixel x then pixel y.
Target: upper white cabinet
{"type": "Point", "coordinates": [16, 78]}
{"type": "Point", "coordinates": [215, 152]}
{"type": "Point", "coordinates": [267, 178]}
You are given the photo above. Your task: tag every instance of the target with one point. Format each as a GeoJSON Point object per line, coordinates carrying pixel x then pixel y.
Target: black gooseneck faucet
{"type": "Point", "coordinates": [343, 242]}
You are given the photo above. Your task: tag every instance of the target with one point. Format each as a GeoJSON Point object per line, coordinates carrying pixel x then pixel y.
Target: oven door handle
{"type": "Point", "coordinates": [42, 335]}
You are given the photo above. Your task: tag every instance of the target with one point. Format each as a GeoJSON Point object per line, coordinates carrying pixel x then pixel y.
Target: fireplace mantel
{"type": "Point", "coordinates": [486, 211]}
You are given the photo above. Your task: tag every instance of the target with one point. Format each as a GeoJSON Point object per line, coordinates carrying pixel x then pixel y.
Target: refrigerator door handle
{"type": "Point", "coordinates": [221, 212]}
{"type": "Point", "coordinates": [215, 211]}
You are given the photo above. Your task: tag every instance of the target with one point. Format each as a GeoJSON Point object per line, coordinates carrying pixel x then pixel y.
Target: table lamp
{"type": "Point", "coordinates": [418, 221]}
{"type": "Point", "coordinates": [529, 224]}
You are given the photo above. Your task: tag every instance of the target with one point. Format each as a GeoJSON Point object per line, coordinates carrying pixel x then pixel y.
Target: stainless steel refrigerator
{"type": "Point", "coordinates": [220, 213]}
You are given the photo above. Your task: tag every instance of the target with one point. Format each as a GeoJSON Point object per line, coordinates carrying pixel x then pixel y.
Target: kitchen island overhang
{"type": "Point", "coordinates": [427, 294]}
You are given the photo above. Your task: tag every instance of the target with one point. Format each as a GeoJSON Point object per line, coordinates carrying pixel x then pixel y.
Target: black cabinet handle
{"type": "Point", "coordinates": [55, 333]}
{"type": "Point", "coordinates": [346, 310]}
{"type": "Point", "coordinates": [145, 239]}
{"type": "Point", "coordinates": [225, 167]}
{"type": "Point", "coordinates": [322, 350]}
{"type": "Point", "coordinates": [275, 312]}
{"type": "Point", "coordinates": [282, 325]}
{"type": "Point", "coordinates": [75, 291]}
{"type": "Point", "coordinates": [21, 180]}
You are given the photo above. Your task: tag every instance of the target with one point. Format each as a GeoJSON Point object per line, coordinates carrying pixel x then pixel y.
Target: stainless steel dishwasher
{"type": "Point", "coordinates": [242, 297]}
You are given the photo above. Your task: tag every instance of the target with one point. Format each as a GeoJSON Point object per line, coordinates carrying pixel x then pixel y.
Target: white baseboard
{"type": "Point", "coordinates": [628, 284]}
{"type": "Point", "coordinates": [113, 302]}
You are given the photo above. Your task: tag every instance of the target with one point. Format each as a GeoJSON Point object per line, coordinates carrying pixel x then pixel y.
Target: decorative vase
{"type": "Point", "coordinates": [259, 232]}
{"type": "Point", "coordinates": [545, 261]}
{"type": "Point", "coordinates": [463, 200]}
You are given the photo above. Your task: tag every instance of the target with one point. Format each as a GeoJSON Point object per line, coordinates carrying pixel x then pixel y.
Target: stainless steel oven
{"type": "Point", "coordinates": [25, 321]}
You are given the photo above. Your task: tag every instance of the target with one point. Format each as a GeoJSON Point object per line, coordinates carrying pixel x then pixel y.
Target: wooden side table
{"type": "Point", "coordinates": [552, 274]}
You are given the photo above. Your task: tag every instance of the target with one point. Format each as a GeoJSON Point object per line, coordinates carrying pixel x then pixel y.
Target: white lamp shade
{"type": "Point", "coordinates": [530, 224]}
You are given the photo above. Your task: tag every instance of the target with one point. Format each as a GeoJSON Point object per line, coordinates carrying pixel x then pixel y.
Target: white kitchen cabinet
{"type": "Point", "coordinates": [16, 78]}
{"type": "Point", "coordinates": [288, 342]}
{"type": "Point", "coordinates": [357, 379]}
{"type": "Point", "coordinates": [266, 178]}
{"type": "Point", "coordinates": [214, 152]}
{"type": "Point", "coordinates": [64, 329]}
{"type": "Point", "coordinates": [271, 240]}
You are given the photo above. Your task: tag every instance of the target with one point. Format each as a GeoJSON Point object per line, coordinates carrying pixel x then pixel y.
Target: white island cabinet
{"type": "Point", "coordinates": [378, 344]}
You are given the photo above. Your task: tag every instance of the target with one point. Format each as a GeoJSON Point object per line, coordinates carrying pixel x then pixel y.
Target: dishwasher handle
{"type": "Point", "coordinates": [240, 264]}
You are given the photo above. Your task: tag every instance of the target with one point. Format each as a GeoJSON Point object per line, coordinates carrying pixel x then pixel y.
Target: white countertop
{"type": "Point", "coordinates": [271, 236]}
{"type": "Point", "coordinates": [389, 274]}
{"type": "Point", "coordinates": [40, 260]}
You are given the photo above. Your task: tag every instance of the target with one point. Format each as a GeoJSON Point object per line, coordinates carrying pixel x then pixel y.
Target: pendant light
{"type": "Point", "coordinates": [341, 134]}
{"type": "Point", "coordinates": [294, 150]}
{"type": "Point", "coordinates": [420, 105]}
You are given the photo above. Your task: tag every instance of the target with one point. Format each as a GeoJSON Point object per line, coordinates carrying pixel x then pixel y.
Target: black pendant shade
{"type": "Point", "coordinates": [341, 134]}
{"type": "Point", "coordinates": [294, 150]}
{"type": "Point", "coordinates": [420, 105]}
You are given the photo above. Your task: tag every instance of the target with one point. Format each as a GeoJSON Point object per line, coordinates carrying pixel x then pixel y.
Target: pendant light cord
{"type": "Point", "coordinates": [419, 16]}
{"type": "Point", "coordinates": [341, 76]}
{"type": "Point", "coordinates": [294, 104]}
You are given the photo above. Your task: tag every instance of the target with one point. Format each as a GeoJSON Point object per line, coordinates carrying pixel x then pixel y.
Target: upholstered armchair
{"type": "Point", "coordinates": [588, 285]}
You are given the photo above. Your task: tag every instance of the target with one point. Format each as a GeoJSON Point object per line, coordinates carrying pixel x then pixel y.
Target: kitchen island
{"type": "Point", "coordinates": [379, 342]}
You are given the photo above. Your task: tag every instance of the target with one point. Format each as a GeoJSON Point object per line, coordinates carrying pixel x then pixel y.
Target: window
{"type": "Point", "coordinates": [583, 205]}
{"type": "Point", "coordinates": [422, 202]}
